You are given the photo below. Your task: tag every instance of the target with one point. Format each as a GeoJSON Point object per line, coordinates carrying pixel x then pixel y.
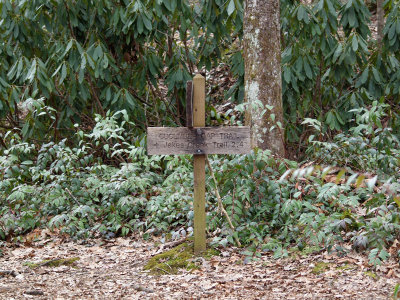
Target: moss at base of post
{"type": "Point", "coordinates": [180, 257]}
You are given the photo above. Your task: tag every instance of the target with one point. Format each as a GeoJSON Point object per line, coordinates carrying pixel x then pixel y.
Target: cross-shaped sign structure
{"type": "Point", "coordinates": [198, 140]}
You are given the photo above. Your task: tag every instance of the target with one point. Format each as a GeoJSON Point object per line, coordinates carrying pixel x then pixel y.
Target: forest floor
{"type": "Point", "coordinates": [113, 269]}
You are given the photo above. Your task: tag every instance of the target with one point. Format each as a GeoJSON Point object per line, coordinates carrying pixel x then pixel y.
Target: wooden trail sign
{"type": "Point", "coordinates": [198, 140]}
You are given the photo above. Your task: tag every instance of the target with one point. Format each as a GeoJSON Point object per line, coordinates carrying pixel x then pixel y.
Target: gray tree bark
{"type": "Point", "coordinates": [263, 83]}
{"type": "Point", "coordinates": [380, 20]}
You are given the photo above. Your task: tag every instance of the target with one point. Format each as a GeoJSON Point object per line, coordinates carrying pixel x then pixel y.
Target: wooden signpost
{"type": "Point", "coordinates": [198, 140]}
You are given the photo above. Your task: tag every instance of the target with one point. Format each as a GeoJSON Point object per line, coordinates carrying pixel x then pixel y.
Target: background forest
{"type": "Point", "coordinates": [81, 80]}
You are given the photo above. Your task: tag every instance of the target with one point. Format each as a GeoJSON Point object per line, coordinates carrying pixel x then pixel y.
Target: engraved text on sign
{"type": "Point", "coordinates": [201, 140]}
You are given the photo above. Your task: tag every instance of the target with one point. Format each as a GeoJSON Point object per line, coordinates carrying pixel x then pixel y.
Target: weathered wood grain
{"type": "Point", "coordinates": [189, 104]}
{"type": "Point", "coordinates": [199, 164]}
{"type": "Point", "coordinates": [198, 140]}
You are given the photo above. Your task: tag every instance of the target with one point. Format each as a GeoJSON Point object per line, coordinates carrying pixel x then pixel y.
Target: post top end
{"type": "Point", "coordinates": [198, 76]}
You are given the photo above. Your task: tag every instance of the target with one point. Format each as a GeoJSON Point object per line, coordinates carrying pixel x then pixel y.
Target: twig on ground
{"type": "Point", "coordinates": [8, 272]}
{"type": "Point", "coordinates": [173, 243]}
{"type": "Point", "coordinates": [34, 292]}
{"type": "Point", "coordinates": [163, 270]}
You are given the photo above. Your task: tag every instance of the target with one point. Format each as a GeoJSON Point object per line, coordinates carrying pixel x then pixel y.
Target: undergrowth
{"type": "Point", "coordinates": [274, 204]}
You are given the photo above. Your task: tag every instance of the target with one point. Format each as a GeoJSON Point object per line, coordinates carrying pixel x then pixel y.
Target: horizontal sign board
{"type": "Point", "coordinates": [198, 140]}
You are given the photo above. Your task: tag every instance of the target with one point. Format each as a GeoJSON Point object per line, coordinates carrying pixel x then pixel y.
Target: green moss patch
{"type": "Point", "coordinates": [347, 267]}
{"type": "Point", "coordinates": [371, 275]}
{"type": "Point", "coordinates": [171, 261]}
{"type": "Point", "coordinates": [53, 262]}
{"type": "Point", "coordinates": [320, 268]}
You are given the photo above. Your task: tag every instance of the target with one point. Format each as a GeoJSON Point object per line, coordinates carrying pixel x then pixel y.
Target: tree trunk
{"type": "Point", "coordinates": [263, 83]}
{"type": "Point", "coordinates": [380, 20]}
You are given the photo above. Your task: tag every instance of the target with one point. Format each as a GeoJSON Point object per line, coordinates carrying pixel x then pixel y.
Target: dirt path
{"type": "Point", "coordinates": [113, 270]}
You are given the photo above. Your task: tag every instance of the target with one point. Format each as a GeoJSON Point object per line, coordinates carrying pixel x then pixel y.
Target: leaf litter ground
{"type": "Point", "coordinates": [113, 269]}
